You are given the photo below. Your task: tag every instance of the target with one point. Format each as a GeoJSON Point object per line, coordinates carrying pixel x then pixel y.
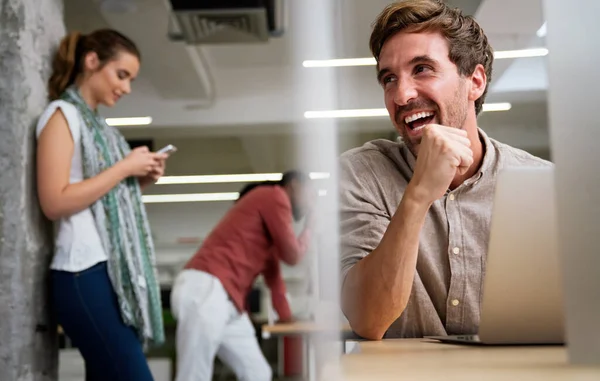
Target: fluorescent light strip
{"type": "Point", "coordinates": [343, 62]}
{"type": "Point", "coordinates": [240, 178]}
{"type": "Point", "coordinates": [136, 121]}
{"type": "Point", "coordinates": [340, 62]}
{"type": "Point", "coordinates": [501, 106]}
{"type": "Point", "coordinates": [372, 112]}
{"type": "Point", "coordinates": [356, 113]}
{"type": "Point", "coordinates": [197, 197]}
{"type": "Point", "coordinates": [189, 197]}
{"type": "Point", "coordinates": [523, 53]}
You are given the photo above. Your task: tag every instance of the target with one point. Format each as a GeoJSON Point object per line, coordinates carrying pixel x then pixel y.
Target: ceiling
{"type": "Point", "coordinates": [263, 88]}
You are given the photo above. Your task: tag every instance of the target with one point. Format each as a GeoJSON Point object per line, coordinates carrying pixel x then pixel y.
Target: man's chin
{"type": "Point", "coordinates": [412, 144]}
{"type": "Point", "coordinates": [414, 149]}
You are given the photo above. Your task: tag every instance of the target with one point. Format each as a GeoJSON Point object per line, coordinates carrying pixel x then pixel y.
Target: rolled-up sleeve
{"type": "Point", "coordinates": [363, 214]}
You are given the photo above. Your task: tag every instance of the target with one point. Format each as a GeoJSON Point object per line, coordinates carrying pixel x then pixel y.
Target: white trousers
{"type": "Point", "coordinates": [209, 325]}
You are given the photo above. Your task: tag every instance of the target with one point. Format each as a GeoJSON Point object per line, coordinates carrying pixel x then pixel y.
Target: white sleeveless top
{"type": "Point", "coordinates": [77, 242]}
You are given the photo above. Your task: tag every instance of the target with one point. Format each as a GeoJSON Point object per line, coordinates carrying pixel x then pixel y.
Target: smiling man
{"type": "Point", "coordinates": [415, 215]}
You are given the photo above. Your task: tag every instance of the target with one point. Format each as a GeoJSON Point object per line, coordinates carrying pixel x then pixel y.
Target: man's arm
{"type": "Point", "coordinates": [377, 288]}
{"type": "Point", "coordinates": [274, 281]}
{"type": "Point", "coordinates": [277, 215]}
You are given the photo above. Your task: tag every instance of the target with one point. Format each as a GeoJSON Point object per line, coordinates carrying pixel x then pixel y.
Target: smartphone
{"type": "Point", "coordinates": [169, 149]}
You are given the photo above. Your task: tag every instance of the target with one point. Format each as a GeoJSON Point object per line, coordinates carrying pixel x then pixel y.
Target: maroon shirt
{"type": "Point", "coordinates": [250, 240]}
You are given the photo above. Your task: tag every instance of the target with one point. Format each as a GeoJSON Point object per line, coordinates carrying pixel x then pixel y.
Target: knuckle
{"type": "Point", "coordinates": [443, 144]}
{"type": "Point", "coordinates": [429, 130]}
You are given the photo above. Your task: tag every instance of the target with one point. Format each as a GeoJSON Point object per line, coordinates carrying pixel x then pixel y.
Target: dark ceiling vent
{"type": "Point", "coordinates": [227, 21]}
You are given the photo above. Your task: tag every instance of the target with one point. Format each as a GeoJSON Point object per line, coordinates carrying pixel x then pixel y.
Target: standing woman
{"type": "Point", "coordinates": [104, 283]}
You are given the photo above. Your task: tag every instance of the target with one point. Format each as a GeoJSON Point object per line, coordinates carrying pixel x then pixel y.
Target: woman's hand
{"type": "Point", "coordinates": [157, 171]}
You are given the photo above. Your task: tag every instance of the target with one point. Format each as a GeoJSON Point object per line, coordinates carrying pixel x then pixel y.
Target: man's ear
{"type": "Point", "coordinates": [478, 82]}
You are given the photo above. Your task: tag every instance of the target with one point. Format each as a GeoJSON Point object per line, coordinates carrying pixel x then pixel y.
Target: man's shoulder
{"type": "Point", "coordinates": [512, 156]}
{"type": "Point", "coordinates": [373, 152]}
{"type": "Point", "coordinates": [264, 196]}
{"type": "Point", "coordinates": [267, 191]}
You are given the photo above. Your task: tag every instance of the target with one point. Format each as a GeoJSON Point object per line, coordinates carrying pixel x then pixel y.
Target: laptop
{"type": "Point", "coordinates": [522, 301]}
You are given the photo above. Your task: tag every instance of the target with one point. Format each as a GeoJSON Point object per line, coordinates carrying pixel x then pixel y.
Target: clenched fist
{"type": "Point", "coordinates": [444, 152]}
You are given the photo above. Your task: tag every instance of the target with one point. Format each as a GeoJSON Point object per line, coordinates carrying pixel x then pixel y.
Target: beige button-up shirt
{"type": "Point", "coordinates": [447, 288]}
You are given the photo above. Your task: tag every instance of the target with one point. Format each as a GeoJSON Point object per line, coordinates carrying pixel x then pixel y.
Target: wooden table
{"type": "Point", "coordinates": [305, 329]}
{"type": "Point", "coordinates": [424, 360]}
{"type": "Point", "coordinates": [297, 328]}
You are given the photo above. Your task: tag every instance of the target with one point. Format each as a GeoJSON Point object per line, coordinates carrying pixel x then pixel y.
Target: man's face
{"type": "Point", "coordinates": [421, 85]}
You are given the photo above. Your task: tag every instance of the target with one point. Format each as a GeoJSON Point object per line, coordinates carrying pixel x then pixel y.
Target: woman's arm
{"type": "Point", "coordinates": [55, 150]}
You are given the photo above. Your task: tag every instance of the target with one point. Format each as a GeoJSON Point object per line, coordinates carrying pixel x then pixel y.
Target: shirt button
{"type": "Point", "coordinates": [451, 196]}
{"type": "Point", "coordinates": [455, 302]}
{"type": "Point", "coordinates": [456, 250]}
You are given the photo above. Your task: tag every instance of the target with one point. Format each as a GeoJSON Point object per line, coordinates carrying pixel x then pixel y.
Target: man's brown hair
{"type": "Point", "coordinates": [467, 43]}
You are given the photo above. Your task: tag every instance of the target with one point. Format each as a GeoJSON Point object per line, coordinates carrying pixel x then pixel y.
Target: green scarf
{"type": "Point", "coordinates": [122, 223]}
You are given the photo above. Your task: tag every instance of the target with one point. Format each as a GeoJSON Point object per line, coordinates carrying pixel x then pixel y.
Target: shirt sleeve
{"type": "Point", "coordinates": [274, 281]}
{"type": "Point", "coordinates": [276, 212]}
{"type": "Point", "coordinates": [71, 115]}
{"type": "Point", "coordinates": [363, 216]}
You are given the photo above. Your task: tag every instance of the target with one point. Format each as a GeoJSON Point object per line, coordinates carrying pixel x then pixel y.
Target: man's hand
{"type": "Point", "coordinates": [444, 152]}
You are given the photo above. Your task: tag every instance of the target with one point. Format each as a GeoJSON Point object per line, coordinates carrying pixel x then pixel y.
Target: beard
{"type": "Point", "coordinates": [455, 115]}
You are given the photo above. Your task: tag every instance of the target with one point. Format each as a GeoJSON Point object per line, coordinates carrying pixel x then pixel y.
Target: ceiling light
{"type": "Point", "coordinates": [136, 121]}
{"type": "Point", "coordinates": [502, 106]}
{"type": "Point", "coordinates": [522, 53]}
{"type": "Point", "coordinates": [340, 62]}
{"type": "Point", "coordinates": [197, 197]}
{"type": "Point", "coordinates": [542, 31]}
{"type": "Point", "coordinates": [500, 54]}
{"type": "Point", "coordinates": [319, 175]}
{"type": "Point", "coordinates": [355, 113]}
{"type": "Point", "coordinates": [372, 112]}
{"type": "Point", "coordinates": [189, 197]}
{"type": "Point", "coordinates": [239, 178]}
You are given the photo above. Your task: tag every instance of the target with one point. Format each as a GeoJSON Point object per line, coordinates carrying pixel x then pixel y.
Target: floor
{"type": "Point", "coordinates": [71, 368]}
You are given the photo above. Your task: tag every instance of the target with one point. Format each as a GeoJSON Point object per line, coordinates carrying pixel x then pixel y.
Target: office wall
{"type": "Point", "coordinates": [29, 32]}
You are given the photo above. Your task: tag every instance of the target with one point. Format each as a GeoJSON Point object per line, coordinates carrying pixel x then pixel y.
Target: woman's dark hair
{"type": "Point", "coordinates": [285, 179]}
{"type": "Point", "coordinates": [68, 59]}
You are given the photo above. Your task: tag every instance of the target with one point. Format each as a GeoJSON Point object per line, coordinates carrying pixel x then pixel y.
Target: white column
{"type": "Point", "coordinates": [573, 103]}
{"type": "Point", "coordinates": [315, 35]}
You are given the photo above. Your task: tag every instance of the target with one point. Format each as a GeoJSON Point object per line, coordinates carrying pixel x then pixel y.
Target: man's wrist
{"type": "Point", "coordinates": [416, 196]}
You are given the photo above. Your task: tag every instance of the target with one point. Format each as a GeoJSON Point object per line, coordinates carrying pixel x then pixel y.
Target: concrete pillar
{"type": "Point", "coordinates": [574, 134]}
{"type": "Point", "coordinates": [29, 31]}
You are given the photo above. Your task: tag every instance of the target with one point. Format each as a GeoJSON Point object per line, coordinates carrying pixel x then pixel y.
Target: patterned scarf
{"type": "Point", "coordinates": [123, 226]}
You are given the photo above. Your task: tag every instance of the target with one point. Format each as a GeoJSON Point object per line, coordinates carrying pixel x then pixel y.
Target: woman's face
{"type": "Point", "coordinates": [113, 80]}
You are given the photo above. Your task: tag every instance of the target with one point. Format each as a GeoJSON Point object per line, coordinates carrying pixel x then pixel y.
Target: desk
{"type": "Point", "coordinates": [295, 328]}
{"type": "Point", "coordinates": [424, 360]}
{"type": "Point", "coordinates": [305, 329]}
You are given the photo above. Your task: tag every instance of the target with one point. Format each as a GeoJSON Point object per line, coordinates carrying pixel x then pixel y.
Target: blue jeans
{"type": "Point", "coordinates": [87, 309]}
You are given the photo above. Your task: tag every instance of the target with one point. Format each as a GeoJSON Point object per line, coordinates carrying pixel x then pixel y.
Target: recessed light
{"type": "Point", "coordinates": [370, 61]}
{"type": "Point", "coordinates": [134, 121]}
{"type": "Point", "coordinates": [380, 112]}
{"type": "Point", "coordinates": [237, 178]}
